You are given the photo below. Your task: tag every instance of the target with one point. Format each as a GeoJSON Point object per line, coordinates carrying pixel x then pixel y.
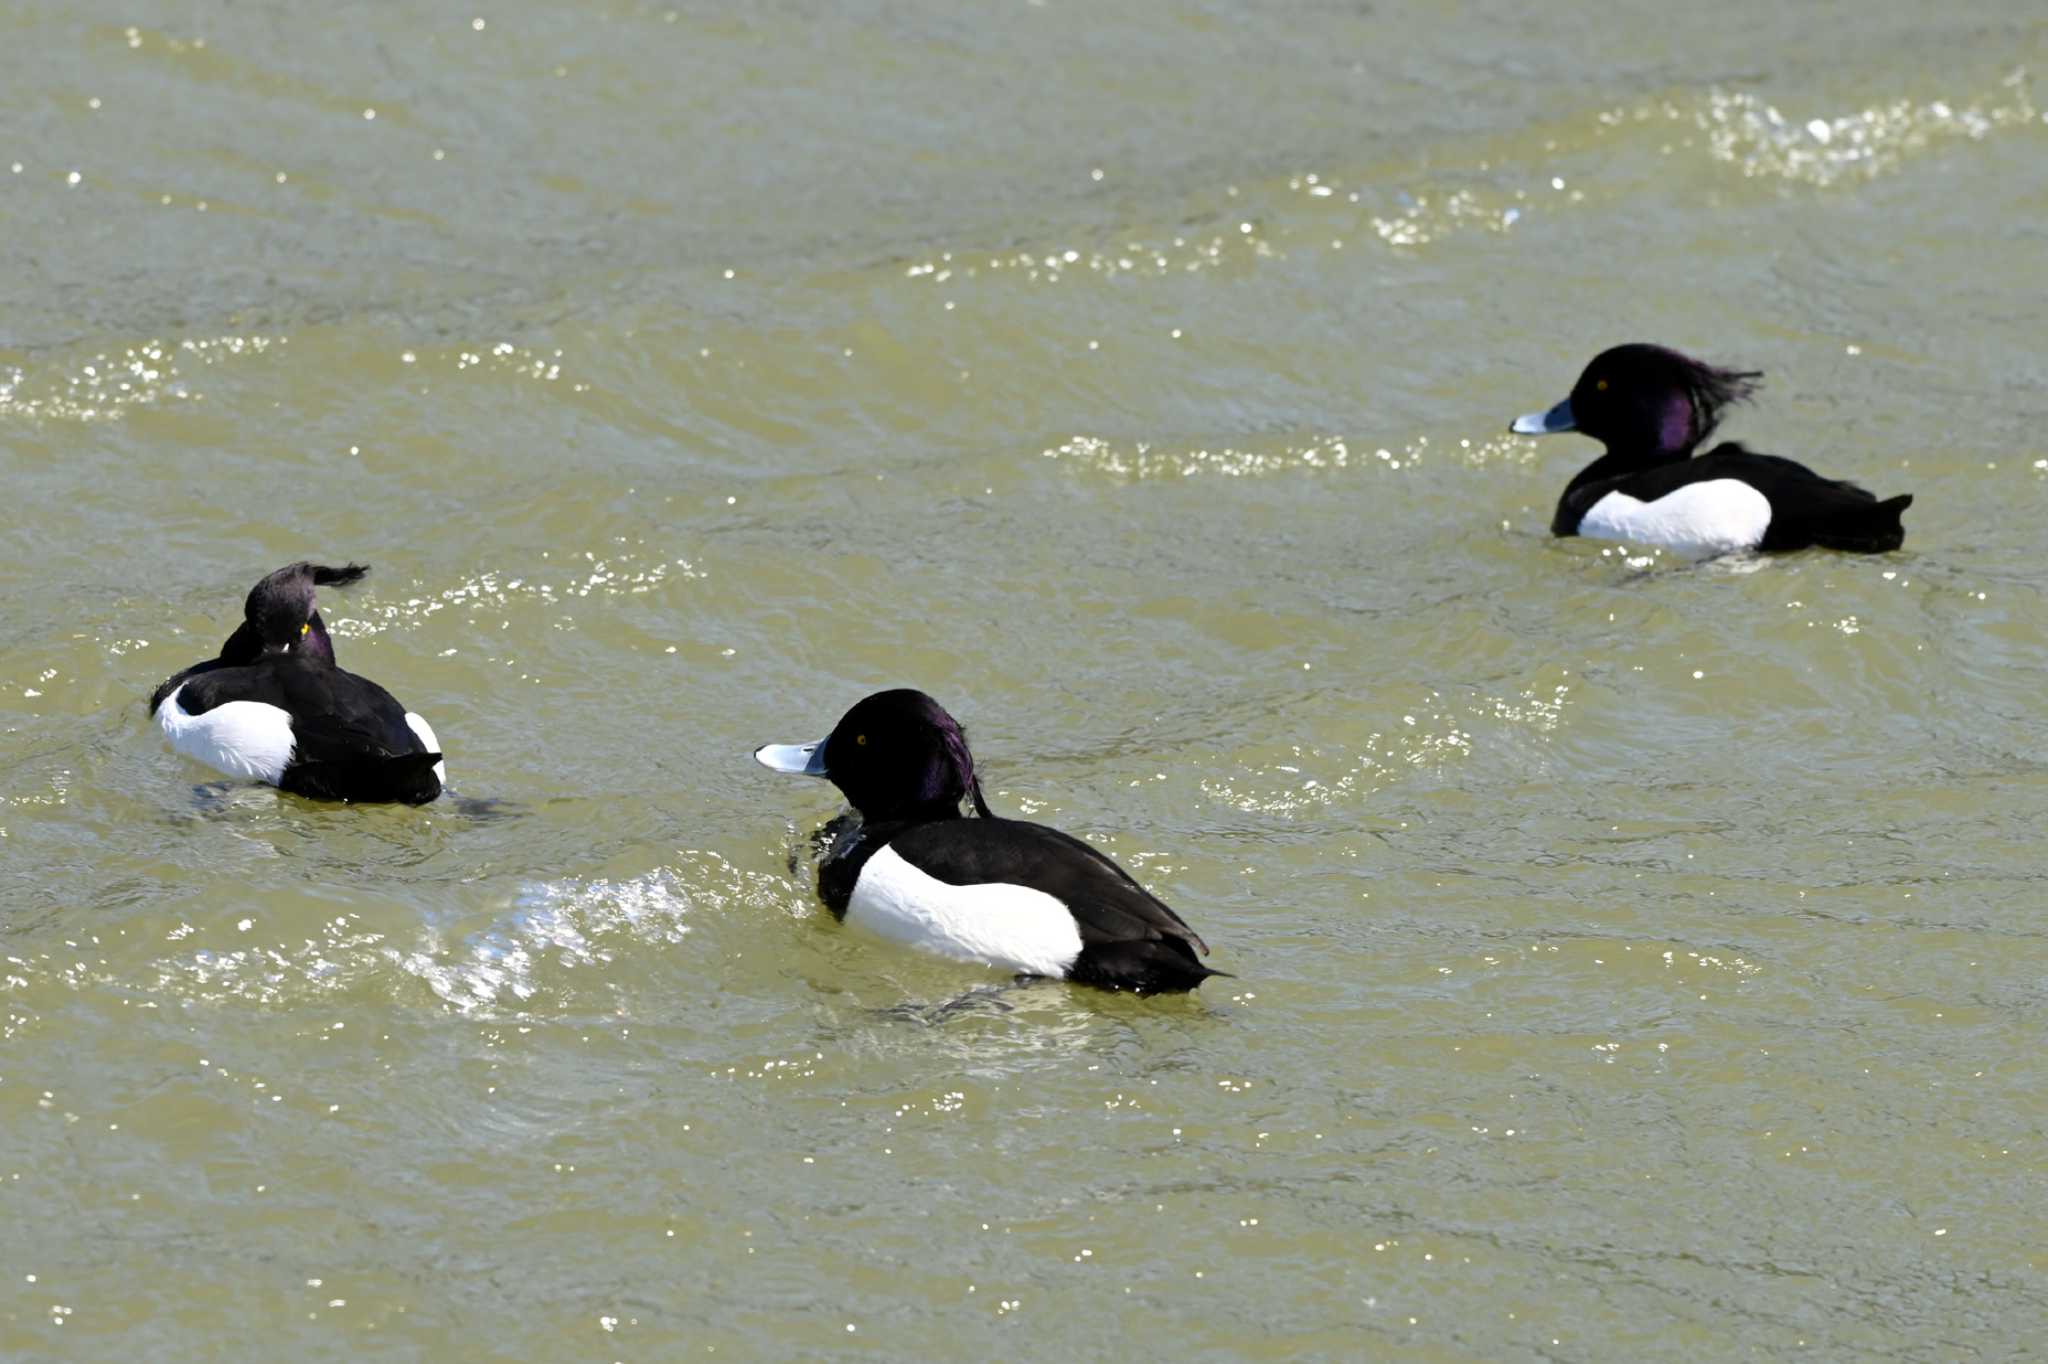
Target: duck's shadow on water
{"type": "Point", "coordinates": [1022, 998]}
{"type": "Point", "coordinates": [1640, 566]}
{"type": "Point", "coordinates": [983, 1001]}
{"type": "Point", "coordinates": [487, 809]}
{"type": "Point", "coordinates": [212, 800]}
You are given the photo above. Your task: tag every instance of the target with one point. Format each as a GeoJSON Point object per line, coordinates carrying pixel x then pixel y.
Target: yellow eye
{"type": "Point", "coordinates": [861, 739]}
{"type": "Point", "coordinates": [305, 629]}
{"type": "Point", "coordinates": [1600, 384]}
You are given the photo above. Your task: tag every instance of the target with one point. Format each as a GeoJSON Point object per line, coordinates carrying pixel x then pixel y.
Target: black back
{"type": "Point", "coordinates": [350, 737]}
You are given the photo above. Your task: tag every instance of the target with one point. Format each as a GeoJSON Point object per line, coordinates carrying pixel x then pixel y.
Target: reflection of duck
{"type": "Point", "coordinates": [275, 707]}
{"type": "Point", "coordinates": [1651, 407]}
{"type": "Point", "coordinates": [1014, 895]}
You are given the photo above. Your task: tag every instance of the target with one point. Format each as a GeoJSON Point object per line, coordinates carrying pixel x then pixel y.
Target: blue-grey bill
{"type": "Point", "coordinates": [1558, 418]}
{"type": "Point", "coordinates": [801, 760]}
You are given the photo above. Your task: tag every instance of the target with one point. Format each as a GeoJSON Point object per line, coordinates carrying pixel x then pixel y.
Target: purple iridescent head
{"type": "Point", "coordinates": [279, 616]}
{"type": "Point", "coordinates": [1641, 399]}
{"type": "Point", "coordinates": [895, 755]}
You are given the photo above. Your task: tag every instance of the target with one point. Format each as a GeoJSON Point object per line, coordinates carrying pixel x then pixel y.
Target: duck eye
{"type": "Point", "coordinates": [861, 739]}
{"type": "Point", "coordinates": [305, 629]}
{"type": "Point", "coordinates": [1600, 384]}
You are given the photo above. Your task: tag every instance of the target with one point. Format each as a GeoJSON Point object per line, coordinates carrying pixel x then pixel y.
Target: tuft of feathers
{"type": "Point", "coordinates": [291, 587]}
{"type": "Point", "coordinates": [1712, 389]}
{"type": "Point", "coordinates": [323, 576]}
{"type": "Point", "coordinates": [954, 739]}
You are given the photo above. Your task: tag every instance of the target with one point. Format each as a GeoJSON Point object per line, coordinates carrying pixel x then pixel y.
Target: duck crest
{"type": "Point", "coordinates": [951, 787]}
{"type": "Point", "coordinates": [1708, 390]}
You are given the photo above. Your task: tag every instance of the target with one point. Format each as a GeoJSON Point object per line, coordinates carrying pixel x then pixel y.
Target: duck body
{"type": "Point", "coordinates": [274, 706]}
{"type": "Point", "coordinates": [1728, 499]}
{"type": "Point", "coordinates": [1652, 408]}
{"type": "Point", "coordinates": [1002, 893]}
{"type": "Point", "coordinates": [1013, 895]}
{"type": "Point", "coordinates": [303, 726]}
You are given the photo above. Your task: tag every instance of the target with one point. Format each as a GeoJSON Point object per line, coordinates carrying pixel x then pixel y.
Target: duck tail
{"type": "Point", "coordinates": [416, 781]}
{"type": "Point", "coordinates": [323, 576]}
{"type": "Point", "coordinates": [1154, 966]}
{"type": "Point", "coordinates": [1875, 528]}
{"type": "Point", "coordinates": [408, 778]}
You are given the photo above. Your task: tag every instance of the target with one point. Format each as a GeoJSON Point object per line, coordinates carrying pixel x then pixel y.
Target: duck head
{"type": "Point", "coordinates": [895, 755]}
{"type": "Point", "coordinates": [1644, 399]}
{"type": "Point", "coordinates": [280, 618]}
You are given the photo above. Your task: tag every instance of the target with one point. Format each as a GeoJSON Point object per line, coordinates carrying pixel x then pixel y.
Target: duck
{"type": "Point", "coordinates": [918, 871]}
{"type": "Point", "coordinates": [275, 707]}
{"type": "Point", "coordinates": [1652, 407]}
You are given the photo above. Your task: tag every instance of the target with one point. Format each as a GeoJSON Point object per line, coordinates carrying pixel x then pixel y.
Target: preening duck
{"type": "Point", "coordinates": [1652, 407]}
{"type": "Point", "coordinates": [275, 707]}
{"type": "Point", "coordinates": [1001, 892]}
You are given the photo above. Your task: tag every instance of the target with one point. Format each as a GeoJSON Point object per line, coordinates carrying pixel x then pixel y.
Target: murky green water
{"type": "Point", "coordinates": [1634, 961]}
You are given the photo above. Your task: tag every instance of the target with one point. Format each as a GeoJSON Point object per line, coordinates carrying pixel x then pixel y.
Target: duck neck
{"type": "Point", "coordinates": [914, 812]}
{"type": "Point", "coordinates": [243, 647]}
{"type": "Point", "coordinates": [1587, 487]}
{"type": "Point", "coordinates": [1617, 460]}
{"type": "Point", "coordinates": [316, 644]}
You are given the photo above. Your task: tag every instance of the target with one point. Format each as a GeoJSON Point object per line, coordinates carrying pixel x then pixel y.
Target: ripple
{"type": "Point", "coordinates": [1132, 461]}
{"type": "Point", "coordinates": [505, 358]}
{"type": "Point", "coordinates": [1305, 779]}
{"type": "Point", "coordinates": [1426, 217]}
{"type": "Point", "coordinates": [1140, 460]}
{"type": "Point", "coordinates": [1146, 255]}
{"type": "Point", "coordinates": [612, 573]}
{"type": "Point", "coordinates": [104, 386]}
{"type": "Point", "coordinates": [1745, 131]}
{"type": "Point", "coordinates": [1502, 182]}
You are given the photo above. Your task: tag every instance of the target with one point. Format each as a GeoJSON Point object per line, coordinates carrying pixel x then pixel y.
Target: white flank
{"type": "Point", "coordinates": [425, 732]}
{"type": "Point", "coordinates": [997, 924]}
{"type": "Point", "coordinates": [1699, 520]}
{"type": "Point", "coordinates": [240, 738]}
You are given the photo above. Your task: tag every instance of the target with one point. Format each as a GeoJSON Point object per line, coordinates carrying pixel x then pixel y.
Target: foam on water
{"type": "Point", "coordinates": [566, 923]}
{"type": "Point", "coordinates": [268, 973]}
{"type": "Point", "coordinates": [546, 927]}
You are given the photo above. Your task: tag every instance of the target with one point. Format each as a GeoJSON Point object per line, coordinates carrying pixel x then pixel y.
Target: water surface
{"type": "Point", "coordinates": [1633, 960]}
